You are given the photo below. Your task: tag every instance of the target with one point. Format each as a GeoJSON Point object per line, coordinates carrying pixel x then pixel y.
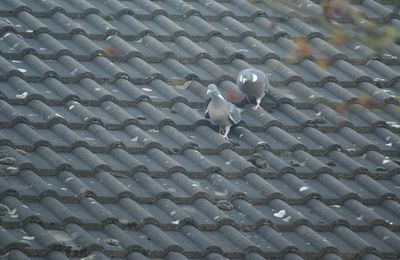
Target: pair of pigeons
{"type": "Point", "coordinates": [221, 112]}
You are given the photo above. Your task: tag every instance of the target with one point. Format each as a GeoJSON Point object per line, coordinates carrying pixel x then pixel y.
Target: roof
{"type": "Point", "coordinates": [106, 153]}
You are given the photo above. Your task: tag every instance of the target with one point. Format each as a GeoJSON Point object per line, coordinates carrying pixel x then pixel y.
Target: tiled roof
{"type": "Point", "coordinates": [105, 151]}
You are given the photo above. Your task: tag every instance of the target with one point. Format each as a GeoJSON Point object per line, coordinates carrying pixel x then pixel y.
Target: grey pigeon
{"type": "Point", "coordinates": [222, 112]}
{"type": "Point", "coordinates": [253, 83]}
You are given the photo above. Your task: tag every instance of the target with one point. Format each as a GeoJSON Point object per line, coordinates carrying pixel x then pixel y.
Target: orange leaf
{"type": "Point", "coordinates": [303, 48]}
{"type": "Point", "coordinates": [111, 51]}
{"type": "Point", "coordinates": [323, 63]}
{"type": "Point", "coordinates": [365, 100]}
{"type": "Point", "coordinates": [341, 108]}
{"type": "Point", "coordinates": [338, 37]}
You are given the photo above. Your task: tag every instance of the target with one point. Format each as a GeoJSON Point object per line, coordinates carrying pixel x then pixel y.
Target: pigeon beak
{"type": "Point", "coordinates": [208, 92]}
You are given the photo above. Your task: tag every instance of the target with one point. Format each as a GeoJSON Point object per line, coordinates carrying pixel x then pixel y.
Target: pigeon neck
{"type": "Point", "coordinates": [217, 95]}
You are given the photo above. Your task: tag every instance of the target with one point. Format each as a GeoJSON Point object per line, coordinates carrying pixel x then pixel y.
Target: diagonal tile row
{"type": "Point", "coordinates": [184, 187]}
{"type": "Point", "coordinates": [185, 50]}
{"type": "Point", "coordinates": [188, 240]}
{"type": "Point", "coordinates": [96, 27]}
{"type": "Point", "coordinates": [380, 73]}
{"type": "Point", "coordinates": [133, 138]}
{"type": "Point", "coordinates": [315, 127]}
{"type": "Point", "coordinates": [67, 69]}
{"type": "Point", "coordinates": [16, 254]}
{"type": "Point", "coordinates": [163, 28]}
{"type": "Point", "coordinates": [168, 140]}
{"type": "Point", "coordinates": [201, 213]}
{"type": "Point", "coordinates": [124, 93]}
{"type": "Point", "coordinates": [177, 9]}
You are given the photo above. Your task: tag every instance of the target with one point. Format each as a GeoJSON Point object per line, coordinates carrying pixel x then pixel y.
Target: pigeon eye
{"type": "Point", "coordinates": [254, 79]}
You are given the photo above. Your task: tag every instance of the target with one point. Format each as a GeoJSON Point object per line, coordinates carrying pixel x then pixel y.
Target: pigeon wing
{"type": "Point", "coordinates": [207, 103]}
{"type": "Point", "coordinates": [267, 85]}
{"type": "Point", "coordinates": [235, 113]}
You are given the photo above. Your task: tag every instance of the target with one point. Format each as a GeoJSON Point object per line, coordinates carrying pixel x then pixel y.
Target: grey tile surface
{"type": "Point", "coordinates": [105, 151]}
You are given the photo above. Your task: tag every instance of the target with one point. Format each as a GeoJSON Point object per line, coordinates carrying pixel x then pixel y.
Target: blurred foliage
{"type": "Point", "coordinates": [335, 16]}
{"type": "Point", "coordinates": [302, 50]}
{"type": "Point", "coordinates": [345, 23]}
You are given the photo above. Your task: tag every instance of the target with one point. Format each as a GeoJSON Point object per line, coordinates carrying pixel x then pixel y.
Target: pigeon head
{"type": "Point", "coordinates": [212, 90]}
{"type": "Point", "coordinates": [247, 76]}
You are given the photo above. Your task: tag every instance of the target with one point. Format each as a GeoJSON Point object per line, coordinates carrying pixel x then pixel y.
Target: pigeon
{"type": "Point", "coordinates": [253, 83]}
{"type": "Point", "coordinates": [222, 112]}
